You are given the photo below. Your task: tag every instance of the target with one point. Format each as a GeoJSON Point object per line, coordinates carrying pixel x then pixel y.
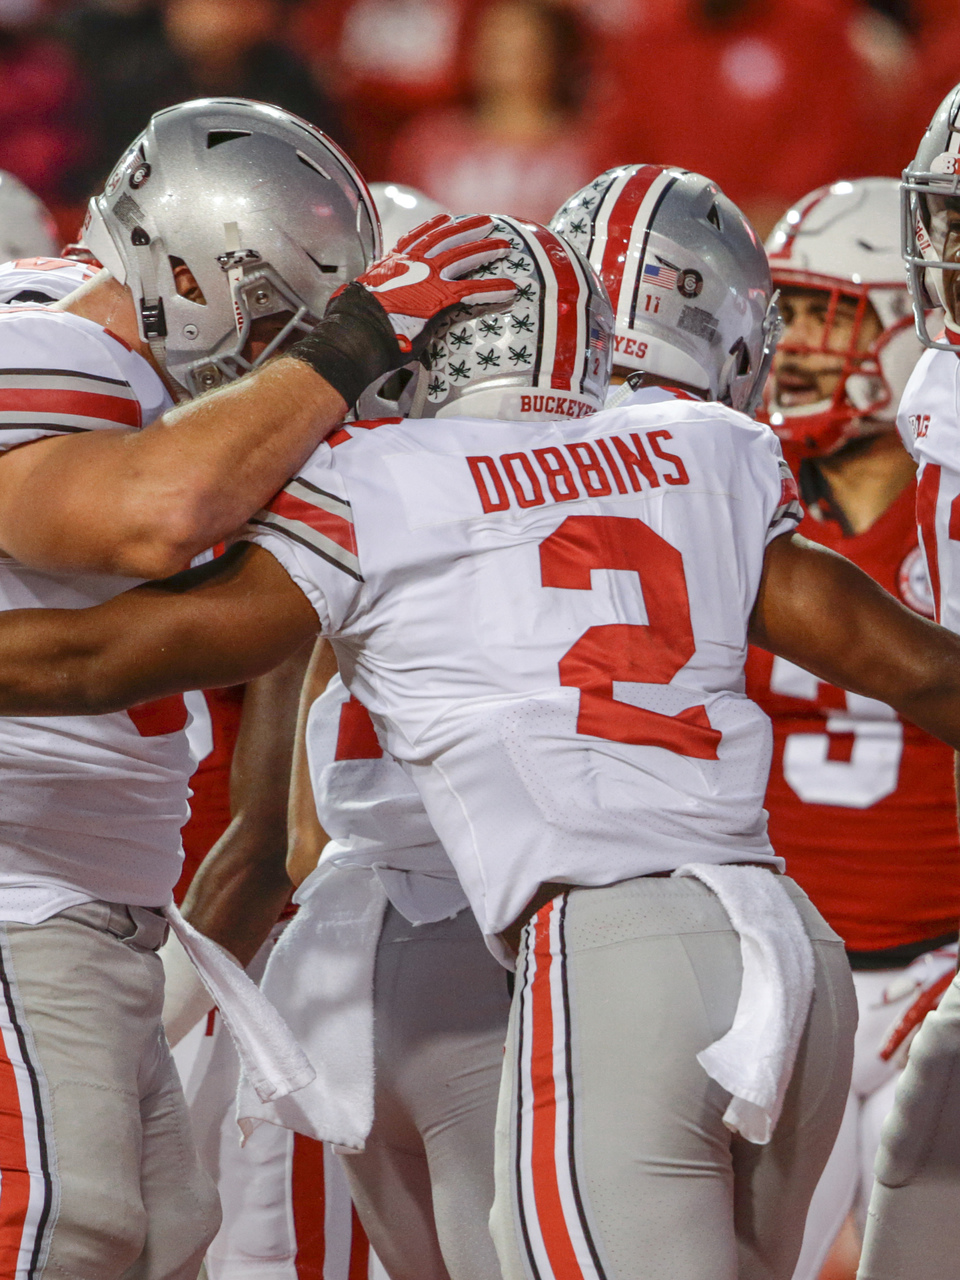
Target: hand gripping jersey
{"type": "Point", "coordinates": [929, 426]}
{"type": "Point", "coordinates": [547, 622]}
{"type": "Point", "coordinates": [861, 804]}
{"type": "Point", "coordinates": [92, 805]}
{"type": "Point", "coordinates": [372, 811]}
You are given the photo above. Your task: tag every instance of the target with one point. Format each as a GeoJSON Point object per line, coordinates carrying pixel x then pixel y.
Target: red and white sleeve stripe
{"type": "Point", "coordinates": [41, 402]}
{"type": "Point", "coordinates": [315, 519]}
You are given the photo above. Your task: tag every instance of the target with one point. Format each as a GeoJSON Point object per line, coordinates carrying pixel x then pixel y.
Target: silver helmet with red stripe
{"type": "Point", "coordinates": [930, 223]}
{"type": "Point", "coordinates": [267, 215]}
{"type": "Point", "coordinates": [849, 345]}
{"type": "Point", "coordinates": [546, 356]}
{"type": "Point", "coordinates": [687, 277]}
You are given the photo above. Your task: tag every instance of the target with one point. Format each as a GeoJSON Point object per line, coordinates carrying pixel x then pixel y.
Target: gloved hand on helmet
{"type": "Point", "coordinates": [386, 317]}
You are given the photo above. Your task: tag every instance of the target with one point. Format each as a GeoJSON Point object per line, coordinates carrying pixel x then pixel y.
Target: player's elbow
{"type": "Point", "coordinates": [160, 548]}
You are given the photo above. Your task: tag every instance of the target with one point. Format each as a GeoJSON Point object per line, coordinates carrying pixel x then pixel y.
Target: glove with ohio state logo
{"type": "Point", "coordinates": [386, 317]}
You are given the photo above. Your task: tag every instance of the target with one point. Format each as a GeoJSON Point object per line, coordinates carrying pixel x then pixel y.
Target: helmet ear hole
{"type": "Point", "coordinates": [743, 364]}
{"type": "Point", "coordinates": [185, 281]}
{"type": "Point", "coordinates": [714, 216]}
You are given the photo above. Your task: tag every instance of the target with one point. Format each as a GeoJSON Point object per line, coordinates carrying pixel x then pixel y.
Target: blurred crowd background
{"type": "Point", "coordinates": [492, 104]}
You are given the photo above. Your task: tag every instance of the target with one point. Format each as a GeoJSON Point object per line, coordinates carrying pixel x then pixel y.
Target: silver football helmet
{"type": "Point", "coordinates": [27, 229]}
{"type": "Point", "coordinates": [687, 276]}
{"type": "Point", "coordinates": [267, 213]}
{"type": "Point", "coordinates": [545, 356]}
{"type": "Point", "coordinates": [401, 209]}
{"type": "Point", "coordinates": [930, 213]}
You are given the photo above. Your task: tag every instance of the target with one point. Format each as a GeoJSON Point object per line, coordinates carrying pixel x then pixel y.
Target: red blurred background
{"type": "Point", "coordinates": [492, 104]}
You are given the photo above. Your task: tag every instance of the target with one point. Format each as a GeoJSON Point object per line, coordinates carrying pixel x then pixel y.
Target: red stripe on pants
{"type": "Point", "coordinates": [14, 1174]}
{"type": "Point", "coordinates": [546, 1186]}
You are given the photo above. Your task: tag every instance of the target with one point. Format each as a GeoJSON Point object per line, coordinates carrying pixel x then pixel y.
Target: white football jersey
{"type": "Point", "coordinates": [929, 425]}
{"type": "Point", "coordinates": [548, 624]}
{"type": "Point", "coordinates": [42, 279]}
{"type": "Point", "coordinates": [373, 813]}
{"type": "Point", "coordinates": [92, 805]}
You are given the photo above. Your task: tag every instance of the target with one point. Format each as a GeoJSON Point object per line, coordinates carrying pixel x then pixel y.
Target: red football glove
{"type": "Point", "coordinates": [417, 281]}
{"type": "Point", "coordinates": [386, 317]}
{"type": "Point", "coordinates": [931, 974]}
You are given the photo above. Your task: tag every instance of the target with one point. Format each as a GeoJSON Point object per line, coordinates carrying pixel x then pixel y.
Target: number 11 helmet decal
{"type": "Point", "coordinates": [687, 276]}
{"type": "Point", "coordinates": [547, 356]}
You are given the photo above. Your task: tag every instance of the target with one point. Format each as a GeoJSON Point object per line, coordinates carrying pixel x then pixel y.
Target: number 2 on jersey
{"type": "Point", "coordinates": [650, 653]}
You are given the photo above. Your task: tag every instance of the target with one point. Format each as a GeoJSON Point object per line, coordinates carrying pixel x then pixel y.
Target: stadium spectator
{"type": "Point", "coordinates": [385, 61]}
{"type": "Point", "coordinates": [140, 57]}
{"type": "Point", "coordinates": [768, 97]}
{"type": "Point", "coordinates": [517, 146]}
{"type": "Point", "coordinates": [42, 133]}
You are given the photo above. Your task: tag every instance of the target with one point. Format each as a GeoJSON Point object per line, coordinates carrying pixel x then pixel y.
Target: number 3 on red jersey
{"type": "Point", "coordinates": [650, 653]}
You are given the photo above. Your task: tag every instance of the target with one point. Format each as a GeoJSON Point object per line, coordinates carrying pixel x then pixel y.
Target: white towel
{"type": "Point", "coordinates": [320, 977]}
{"type": "Point", "coordinates": [271, 1058]}
{"type": "Point", "coordinates": [754, 1060]}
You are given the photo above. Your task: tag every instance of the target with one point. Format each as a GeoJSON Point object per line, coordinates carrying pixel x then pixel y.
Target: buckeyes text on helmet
{"type": "Point", "coordinates": [687, 277]}
{"type": "Point", "coordinates": [545, 356]}
{"type": "Point", "coordinates": [930, 224]}
{"type": "Point", "coordinates": [848, 345]}
{"type": "Point", "coordinates": [268, 214]}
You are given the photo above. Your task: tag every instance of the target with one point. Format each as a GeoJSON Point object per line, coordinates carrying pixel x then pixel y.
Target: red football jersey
{"type": "Point", "coordinates": [210, 802]}
{"type": "Point", "coordinates": [861, 803]}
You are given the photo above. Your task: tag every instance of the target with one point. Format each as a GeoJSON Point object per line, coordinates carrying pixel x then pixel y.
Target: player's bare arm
{"type": "Point", "coordinates": [819, 610]}
{"type": "Point", "coordinates": [143, 504]}
{"type": "Point", "coordinates": [242, 886]}
{"type": "Point", "coordinates": [305, 836]}
{"type": "Point", "coordinates": [225, 623]}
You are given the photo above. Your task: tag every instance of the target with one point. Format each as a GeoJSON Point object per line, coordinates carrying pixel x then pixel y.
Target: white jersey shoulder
{"type": "Point", "coordinates": [929, 425]}
{"type": "Point", "coordinates": [929, 415]}
{"type": "Point", "coordinates": [548, 623]}
{"type": "Point", "coordinates": [42, 280]}
{"type": "Point", "coordinates": [61, 373]}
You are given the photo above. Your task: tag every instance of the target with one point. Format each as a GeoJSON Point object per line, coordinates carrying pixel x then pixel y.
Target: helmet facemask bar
{"type": "Point", "coordinates": [920, 252]}
{"type": "Point", "coordinates": [257, 292]}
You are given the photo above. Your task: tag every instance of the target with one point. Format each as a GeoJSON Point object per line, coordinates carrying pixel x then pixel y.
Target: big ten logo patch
{"type": "Point", "coordinates": [919, 424]}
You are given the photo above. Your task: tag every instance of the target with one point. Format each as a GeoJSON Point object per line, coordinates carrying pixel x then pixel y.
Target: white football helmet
{"type": "Point", "coordinates": [267, 213]}
{"type": "Point", "coordinates": [27, 229]}
{"type": "Point", "coordinates": [547, 356]}
{"type": "Point", "coordinates": [844, 239]}
{"type": "Point", "coordinates": [686, 274]}
{"type": "Point", "coordinates": [401, 209]}
{"type": "Point", "coordinates": [930, 194]}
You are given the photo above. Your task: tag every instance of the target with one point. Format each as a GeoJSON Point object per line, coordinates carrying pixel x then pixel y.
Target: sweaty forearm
{"type": "Point", "coordinates": [225, 623]}
{"type": "Point", "coordinates": [820, 611]}
{"type": "Point", "coordinates": [241, 887]}
{"type": "Point", "coordinates": [143, 504]}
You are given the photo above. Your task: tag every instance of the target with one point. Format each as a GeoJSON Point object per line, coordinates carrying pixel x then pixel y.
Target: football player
{"type": "Point", "coordinates": [226, 228]}
{"type": "Point", "coordinates": [911, 1223]}
{"type": "Point", "coordinates": [861, 805]}
{"type": "Point", "coordinates": [461, 569]}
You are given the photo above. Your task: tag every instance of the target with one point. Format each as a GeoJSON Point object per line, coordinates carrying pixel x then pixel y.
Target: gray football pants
{"type": "Point", "coordinates": [613, 1162]}
{"type": "Point", "coordinates": [913, 1224]}
{"type": "Point", "coordinates": [423, 1186]}
{"type": "Point", "coordinates": [99, 1178]}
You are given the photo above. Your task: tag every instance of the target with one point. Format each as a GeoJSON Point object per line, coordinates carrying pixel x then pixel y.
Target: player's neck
{"type": "Point", "coordinates": [109, 304]}
{"type": "Point", "coordinates": [866, 480]}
